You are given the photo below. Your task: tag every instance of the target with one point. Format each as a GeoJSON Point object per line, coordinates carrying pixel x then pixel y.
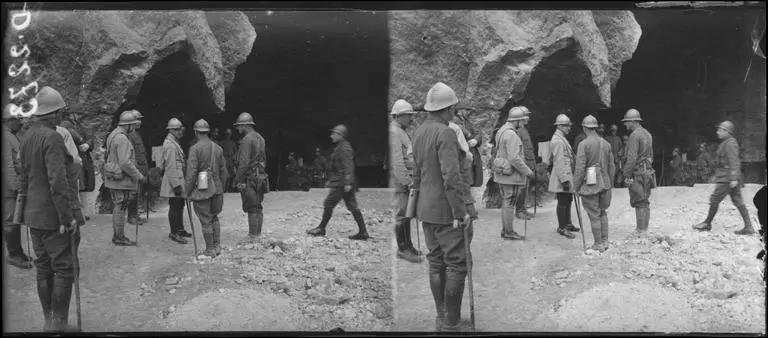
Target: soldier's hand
{"type": "Point", "coordinates": [72, 226]}
{"type": "Point", "coordinates": [628, 181]}
{"type": "Point", "coordinates": [143, 179]}
{"type": "Point", "coordinates": [347, 188]}
{"type": "Point", "coordinates": [567, 186]}
{"type": "Point", "coordinates": [461, 221]}
{"type": "Point", "coordinates": [241, 187]}
{"type": "Point", "coordinates": [734, 184]}
{"type": "Point", "coordinates": [472, 142]}
{"type": "Point", "coordinates": [177, 190]}
{"type": "Point", "coordinates": [84, 147]}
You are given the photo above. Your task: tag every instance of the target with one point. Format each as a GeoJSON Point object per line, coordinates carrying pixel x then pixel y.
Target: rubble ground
{"type": "Point", "coordinates": [673, 279]}
{"type": "Point", "coordinates": [286, 281]}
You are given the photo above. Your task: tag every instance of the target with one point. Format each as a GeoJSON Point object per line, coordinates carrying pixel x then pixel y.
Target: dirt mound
{"type": "Point", "coordinates": [236, 310]}
{"type": "Point", "coordinates": [622, 307]}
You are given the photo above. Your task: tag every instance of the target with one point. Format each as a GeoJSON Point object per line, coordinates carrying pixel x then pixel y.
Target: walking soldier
{"type": "Point", "coordinates": [11, 186]}
{"type": "Point", "coordinates": [510, 170]}
{"type": "Point", "coordinates": [143, 166]}
{"type": "Point", "coordinates": [561, 178]}
{"type": "Point", "coordinates": [530, 160]}
{"type": "Point", "coordinates": [341, 181]}
{"type": "Point", "coordinates": [172, 185]}
{"type": "Point", "coordinates": [400, 169]}
{"type": "Point", "coordinates": [593, 180]}
{"type": "Point", "coordinates": [728, 180]}
{"type": "Point", "coordinates": [441, 203]}
{"type": "Point", "coordinates": [206, 176]}
{"type": "Point", "coordinates": [251, 176]}
{"type": "Point", "coordinates": [638, 170]}
{"type": "Point", "coordinates": [122, 176]}
{"type": "Point", "coordinates": [47, 211]}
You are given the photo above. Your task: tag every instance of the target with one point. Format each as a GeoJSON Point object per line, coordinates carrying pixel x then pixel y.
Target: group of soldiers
{"type": "Point", "coordinates": [433, 168]}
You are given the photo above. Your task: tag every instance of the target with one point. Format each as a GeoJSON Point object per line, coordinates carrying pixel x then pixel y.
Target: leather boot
{"type": "Point", "coordinates": [320, 229]}
{"type": "Point", "coordinates": [254, 226]}
{"type": "Point", "coordinates": [747, 230]}
{"type": "Point", "coordinates": [408, 240]}
{"type": "Point", "coordinates": [362, 233]}
{"type": "Point", "coordinates": [639, 217]}
{"type": "Point", "coordinates": [217, 236]}
{"type": "Point", "coordinates": [560, 211]}
{"type": "Point", "coordinates": [597, 234]}
{"type": "Point", "coordinates": [707, 224]}
{"type": "Point", "coordinates": [604, 230]}
{"type": "Point", "coordinates": [402, 244]}
{"type": "Point", "coordinates": [16, 256]}
{"type": "Point", "coordinates": [209, 247]}
{"type": "Point", "coordinates": [454, 291]}
{"type": "Point", "coordinates": [45, 293]}
{"type": "Point", "coordinates": [62, 293]}
{"type": "Point", "coordinates": [646, 218]}
{"type": "Point", "coordinates": [118, 224]}
{"type": "Point", "coordinates": [437, 285]}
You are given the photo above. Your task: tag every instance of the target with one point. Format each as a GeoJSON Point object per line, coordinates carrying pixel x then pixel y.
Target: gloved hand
{"type": "Point", "coordinates": [177, 190]}
{"type": "Point", "coordinates": [567, 186]}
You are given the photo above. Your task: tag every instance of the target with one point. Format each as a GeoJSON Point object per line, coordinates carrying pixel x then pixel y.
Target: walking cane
{"type": "Point", "coordinates": [73, 249]}
{"type": "Point", "coordinates": [581, 225]}
{"type": "Point", "coordinates": [191, 224]}
{"type": "Point", "coordinates": [465, 231]}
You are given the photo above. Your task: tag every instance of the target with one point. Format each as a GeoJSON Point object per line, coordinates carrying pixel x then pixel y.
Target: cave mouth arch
{"type": "Point", "coordinates": [309, 71]}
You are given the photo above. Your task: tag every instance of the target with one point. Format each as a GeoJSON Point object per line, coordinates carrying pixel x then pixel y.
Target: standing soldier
{"type": "Point", "coordinates": [592, 180]}
{"type": "Point", "coordinates": [341, 180]}
{"type": "Point", "coordinates": [530, 161]}
{"type": "Point", "coordinates": [230, 150]}
{"type": "Point", "coordinates": [48, 213]}
{"type": "Point", "coordinates": [639, 175]}
{"type": "Point", "coordinates": [11, 186]}
{"type": "Point", "coordinates": [251, 176]}
{"type": "Point", "coordinates": [208, 199]}
{"type": "Point", "coordinates": [172, 185]}
{"type": "Point", "coordinates": [124, 182]}
{"type": "Point", "coordinates": [615, 141]}
{"type": "Point", "coordinates": [561, 178]}
{"type": "Point", "coordinates": [510, 170]}
{"type": "Point", "coordinates": [703, 164]}
{"type": "Point", "coordinates": [728, 180]}
{"type": "Point", "coordinates": [143, 166]}
{"type": "Point", "coordinates": [401, 167]}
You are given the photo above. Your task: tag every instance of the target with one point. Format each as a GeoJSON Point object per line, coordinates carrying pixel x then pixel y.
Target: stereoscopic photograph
{"type": "Point", "coordinates": [390, 168]}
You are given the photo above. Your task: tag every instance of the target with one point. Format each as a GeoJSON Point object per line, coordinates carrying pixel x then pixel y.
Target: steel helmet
{"type": "Point", "coordinates": [48, 101]}
{"type": "Point", "coordinates": [562, 120]}
{"type": "Point", "coordinates": [138, 114]}
{"type": "Point", "coordinates": [174, 123]}
{"type": "Point", "coordinates": [244, 118]}
{"type": "Point", "coordinates": [727, 126]}
{"type": "Point", "coordinates": [440, 96]}
{"type": "Point", "coordinates": [632, 115]}
{"type": "Point", "coordinates": [340, 129]}
{"type": "Point", "coordinates": [127, 117]}
{"type": "Point", "coordinates": [589, 122]}
{"type": "Point", "coordinates": [7, 113]}
{"type": "Point", "coordinates": [401, 107]}
{"type": "Point", "coordinates": [201, 125]}
{"type": "Point", "coordinates": [516, 114]}
{"type": "Point", "coordinates": [525, 109]}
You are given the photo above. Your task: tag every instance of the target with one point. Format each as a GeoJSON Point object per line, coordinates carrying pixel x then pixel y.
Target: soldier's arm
{"type": "Point", "coordinates": [176, 174]}
{"type": "Point", "coordinates": [448, 156]}
{"type": "Point", "coordinates": [243, 156]}
{"type": "Point", "coordinates": [347, 154]}
{"type": "Point", "coordinates": [191, 175]}
{"type": "Point", "coordinates": [513, 154]}
{"type": "Point", "coordinates": [396, 159]}
{"type": "Point", "coordinates": [54, 154]}
{"type": "Point", "coordinates": [579, 172]}
{"type": "Point", "coordinates": [630, 155]}
{"type": "Point", "coordinates": [732, 153]}
{"type": "Point", "coordinates": [123, 160]}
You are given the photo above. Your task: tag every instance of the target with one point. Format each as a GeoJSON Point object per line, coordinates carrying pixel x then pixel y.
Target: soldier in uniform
{"type": "Point", "coordinates": [341, 181]}
{"type": "Point", "coordinates": [143, 166]}
{"type": "Point", "coordinates": [230, 150]}
{"type": "Point", "coordinates": [728, 180]}
{"type": "Point", "coordinates": [703, 164]}
{"type": "Point", "coordinates": [616, 144]}
{"type": "Point", "coordinates": [530, 161]}
{"type": "Point", "coordinates": [48, 213]}
{"type": "Point", "coordinates": [11, 186]}
{"type": "Point", "coordinates": [595, 152]}
{"type": "Point", "coordinates": [172, 185]}
{"type": "Point", "coordinates": [120, 151]}
{"type": "Point", "coordinates": [511, 171]}
{"type": "Point", "coordinates": [639, 175]}
{"type": "Point", "coordinates": [561, 178]}
{"type": "Point", "coordinates": [401, 167]}
{"type": "Point", "coordinates": [441, 205]}
{"type": "Point", "coordinates": [251, 173]}
{"type": "Point", "coordinates": [206, 156]}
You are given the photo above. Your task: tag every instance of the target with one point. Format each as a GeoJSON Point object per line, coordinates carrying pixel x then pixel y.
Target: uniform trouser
{"type": "Point", "coordinates": [564, 201]}
{"type": "Point", "coordinates": [402, 223]}
{"type": "Point", "coordinates": [251, 199]}
{"type": "Point", "coordinates": [176, 214]}
{"type": "Point", "coordinates": [447, 267]}
{"type": "Point", "coordinates": [133, 203]}
{"type": "Point", "coordinates": [640, 191]}
{"type": "Point", "coordinates": [336, 194]}
{"type": "Point", "coordinates": [509, 193]}
{"type": "Point", "coordinates": [595, 206]}
{"type": "Point", "coordinates": [55, 270]}
{"type": "Point", "coordinates": [724, 189]}
{"type": "Point", "coordinates": [11, 231]}
{"type": "Point", "coordinates": [120, 200]}
{"type": "Point", "coordinates": [208, 212]}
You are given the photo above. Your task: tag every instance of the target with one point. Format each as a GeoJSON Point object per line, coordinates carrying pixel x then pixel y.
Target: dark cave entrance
{"type": "Point", "coordinates": [309, 71]}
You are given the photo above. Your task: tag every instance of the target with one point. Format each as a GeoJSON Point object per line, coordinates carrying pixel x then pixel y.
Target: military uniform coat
{"type": "Point", "coordinates": [562, 162]}
{"type": "Point", "coordinates": [200, 160]}
{"type": "Point", "coordinates": [342, 169]}
{"type": "Point", "coordinates": [639, 153]}
{"type": "Point", "coordinates": [437, 174]}
{"type": "Point", "coordinates": [173, 166]}
{"type": "Point", "coordinates": [12, 166]}
{"type": "Point", "coordinates": [251, 153]}
{"type": "Point", "coordinates": [44, 178]}
{"type": "Point", "coordinates": [121, 152]}
{"type": "Point", "coordinates": [594, 151]}
{"type": "Point", "coordinates": [511, 147]}
{"type": "Point", "coordinates": [140, 151]}
{"type": "Point", "coordinates": [401, 158]}
{"type": "Point", "coordinates": [727, 161]}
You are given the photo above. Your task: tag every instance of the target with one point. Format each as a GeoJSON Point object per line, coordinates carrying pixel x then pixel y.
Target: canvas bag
{"type": "Point", "coordinates": [592, 177]}
{"type": "Point", "coordinates": [112, 170]}
{"type": "Point", "coordinates": [501, 165]}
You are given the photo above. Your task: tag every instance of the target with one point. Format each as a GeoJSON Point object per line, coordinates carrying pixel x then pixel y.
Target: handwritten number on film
{"type": "Point", "coordinates": [19, 22]}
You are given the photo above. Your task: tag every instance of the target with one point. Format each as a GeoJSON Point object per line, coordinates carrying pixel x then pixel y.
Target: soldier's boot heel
{"type": "Point", "coordinates": [362, 232]}
{"type": "Point", "coordinates": [747, 230]}
{"type": "Point", "coordinates": [707, 224]}
{"type": "Point", "coordinates": [320, 229]}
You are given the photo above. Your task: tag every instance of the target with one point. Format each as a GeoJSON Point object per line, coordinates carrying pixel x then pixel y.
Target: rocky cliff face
{"type": "Point", "coordinates": [94, 58]}
{"type": "Point", "coordinates": [545, 59]}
